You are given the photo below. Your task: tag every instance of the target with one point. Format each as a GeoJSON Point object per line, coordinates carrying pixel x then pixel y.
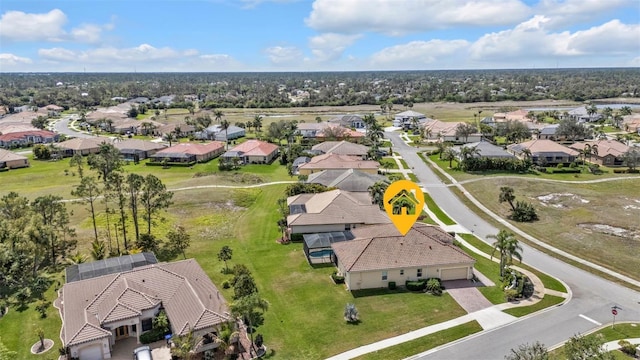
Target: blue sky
{"type": "Point", "coordinates": [316, 35]}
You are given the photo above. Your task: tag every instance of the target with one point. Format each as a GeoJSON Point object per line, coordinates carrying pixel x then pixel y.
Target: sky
{"type": "Point", "coordinates": [316, 35]}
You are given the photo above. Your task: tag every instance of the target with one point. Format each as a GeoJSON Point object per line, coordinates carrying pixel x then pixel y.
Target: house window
{"type": "Point", "coordinates": [419, 273]}
{"type": "Point", "coordinates": [347, 227]}
{"type": "Point", "coordinates": [147, 324]}
{"type": "Point", "coordinates": [384, 276]}
{"type": "Point", "coordinates": [402, 272]}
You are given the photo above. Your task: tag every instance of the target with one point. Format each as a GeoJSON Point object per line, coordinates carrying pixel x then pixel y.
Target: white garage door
{"type": "Point", "coordinates": [453, 274]}
{"type": "Point", "coordinates": [93, 352]}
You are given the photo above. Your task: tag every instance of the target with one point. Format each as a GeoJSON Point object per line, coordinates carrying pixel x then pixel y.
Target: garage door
{"type": "Point", "coordinates": [93, 352]}
{"type": "Point", "coordinates": [453, 274]}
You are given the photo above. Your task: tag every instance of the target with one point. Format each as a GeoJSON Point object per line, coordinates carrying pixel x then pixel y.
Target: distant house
{"type": "Point", "coordinates": [166, 100]}
{"type": "Point", "coordinates": [548, 132]}
{"type": "Point", "coordinates": [11, 160]}
{"type": "Point", "coordinates": [125, 126]}
{"type": "Point", "coordinates": [139, 100]}
{"type": "Point", "coordinates": [341, 148]}
{"type": "Point", "coordinates": [580, 114]}
{"type": "Point", "coordinates": [253, 152]}
{"type": "Point", "coordinates": [338, 162]}
{"type": "Point", "coordinates": [189, 152]}
{"type": "Point", "coordinates": [436, 130]}
{"type": "Point", "coordinates": [349, 121]}
{"type": "Point", "coordinates": [545, 152]}
{"type": "Point", "coordinates": [347, 180]}
{"type": "Point", "coordinates": [328, 131]}
{"type": "Point", "coordinates": [100, 313]}
{"type": "Point", "coordinates": [136, 150]}
{"type": "Point", "coordinates": [405, 119]}
{"type": "Point", "coordinates": [297, 162]}
{"type": "Point", "coordinates": [335, 210]}
{"type": "Point", "coordinates": [26, 138]}
{"type": "Point", "coordinates": [53, 110]}
{"type": "Point", "coordinates": [182, 129]}
{"type": "Point", "coordinates": [215, 132]}
{"type": "Point", "coordinates": [486, 150]}
{"type": "Point", "coordinates": [82, 146]}
{"type": "Point", "coordinates": [603, 152]}
{"type": "Point", "coordinates": [631, 123]}
{"type": "Point", "coordinates": [380, 254]}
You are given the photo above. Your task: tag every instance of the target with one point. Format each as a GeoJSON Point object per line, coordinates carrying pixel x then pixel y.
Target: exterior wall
{"type": "Point", "coordinates": [460, 140]}
{"type": "Point", "coordinates": [307, 171]}
{"type": "Point", "coordinates": [357, 280]}
{"type": "Point", "coordinates": [19, 163]}
{"type": "Point", "coordinates": [103, 343]}
{"type": "Point", "coordinates": [308, 229]}
{"type": "Point", "coordinates": [553, 160]}
{"type": "Point", "coordinates": [261, 159]}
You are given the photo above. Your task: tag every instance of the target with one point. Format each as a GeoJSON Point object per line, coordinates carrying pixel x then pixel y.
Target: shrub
{"type": "Point", "coordinates": [392, 285]}
{"type": "Point", "coordinates": [627, 347]}
{"type": "Point", "coordinates": [560, 166]}
{"type": "Point", "coordinates": [152, 336]}
{"type": "Point", "coordinates": [338, 279]}
{"type": "Point", "coordinates": [351, 313]}
{"type": "Point", "coordinates": [524, 212]}
{"type": "Point", "coordinates": [225, 284]}
{"type": "Point", "coordinates": [418, 285]}
{"type": "Point", "coordinates": [296, 237]}
{"type": "Point", "coordinates": [42, 307]}
{"type": "Point", "coordinates": [510, 294]}
{"type": "Point", "coordinates": [434, 286]}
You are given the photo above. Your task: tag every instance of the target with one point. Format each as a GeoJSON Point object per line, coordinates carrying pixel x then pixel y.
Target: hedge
{"type": "Point", "coordinates": [418, 285]}
{"type": "Point", "coordinates": [626, 171]}
{"type": "Point", "coordinates": [151, 336]}
{"type": "Point", "coordinates": [156, 163]}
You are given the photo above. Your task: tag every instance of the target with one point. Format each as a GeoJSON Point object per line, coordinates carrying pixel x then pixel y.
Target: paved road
{"type": "Point", "coordinates": [61, 126]}
{"type": "Point", "coordinates": [590, 305]}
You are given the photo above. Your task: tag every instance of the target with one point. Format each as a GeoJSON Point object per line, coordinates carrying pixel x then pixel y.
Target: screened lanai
{"type": "Point", "coordinates": [317, 246]}
{"type": "Point", "coordinates": [112, 265]}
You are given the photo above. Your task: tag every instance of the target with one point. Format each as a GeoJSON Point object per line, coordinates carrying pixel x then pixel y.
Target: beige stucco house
{"type": "Point", "coordinates": [379, 254]}
{"type": "Point", "coordinates": [338, 162]}
{"type": "Point", "coordinates": [11, 160]}
{"type": "Point", "coordinates": [99, 312]}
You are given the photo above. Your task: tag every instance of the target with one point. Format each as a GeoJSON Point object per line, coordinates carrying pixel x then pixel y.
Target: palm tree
{"type": "Point", "coordinates": [257, 122]}
{"type": "Point", "coordinates": [442, 146]}
{"type": "Point", "coordinates": [246, 307]}
{"type": "Point", "coordinates": [148, 128]}
{"type": "Point", "coordinates": [170, 137]}
{"type": "Point", "coordinates": [506, 194]}
{"type": "Point", "coordinates": [376, 191]}
{"type": "Point", "coordinates": [368, 120]}
{"type": "Point", "coordinates": [508, 246]}
{"type": "Point", "coordinates": [224, 125]}
{"type": "Point", "coordinates": [526, 153]}
{"type": "Point", "coordinates": [449, 155]}
{"type": "Point", "coordinates": [625, 110]}
{"type": "Point", "coordinates": [218, 114]}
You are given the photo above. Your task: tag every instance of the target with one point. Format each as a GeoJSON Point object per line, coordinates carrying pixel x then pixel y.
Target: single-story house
{"type": "Point", "coordinates": [253, 152]}
{"type": "Point", "coordinates": [166, 99]}
{"type": "Point", "coordinates": [338, 162]}
{"type": "Point", "coordinates": [26, 138]}
{"type": "Point", "coordinates": [545, 152]}
{"type": "Point", "coordinates": [548, 132]}
{"type": "Point", "coordinates": [436, 130]}
{"type": "Point", "coordinates": [341, 148]}
{"type": "Point", "coordinates": [11, 160]}
{"type": "Point", "coordinates": [405, 119]}
{"type": "Point", "coordinates": [631, 123]}
{"type": "Point", "coordinates": [136, 150]}
{"type": "Point", "coordinates": [189, 152]}
{"type": "Point", "coordinates": [182, 129]}
{"type": "Point", "coordinates": [215, 132]}
{"type": "Point", "coordinates": [82, 146]}
{"type": "Point", "coordinates": [347, 180]}
{"type": "Point", "coordinates": [334, 210]}
{"type": "Point", "coordinates": [99, 312]}
{"type": "Point", "coordinates": [328, 131]}
{"type": "Point", "coordinates": [486, 150]}
{"type": "Point", "coordinates": [125, 126]}
{"type": "Point", "coordinates": [317, 247]}
{"type": "Point", "coordinates": [349, 121]}
{"type": "Point", "coordinates": [139, 100]}
{"type": "Point", "coordinates": [380, 254]}
{"type": "Point", "coordinates": [581, 114]}
{"type": "Point", "coordinates": [604, 152]}
{"type": "Point", "coordinates": [53, 110]}
{"type": "Point", "coordinates": [297, 162]}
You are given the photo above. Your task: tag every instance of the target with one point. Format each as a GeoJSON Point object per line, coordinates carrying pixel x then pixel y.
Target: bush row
{"type": "Point", "coordinates": [156, 163]}
{"type": "Point", "coordinates": [152, 335]}
{"type": "Point", "coordinates": [626, 171]}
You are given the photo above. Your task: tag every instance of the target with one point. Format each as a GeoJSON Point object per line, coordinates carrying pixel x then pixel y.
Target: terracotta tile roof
{"type": "Point", "coordinates": [381, 247]}
{"type": "Point", "coordinates": [349, 179]}
{"type": "Point", "coordinates": [137, 144]}
{"type": "Point", "coordinates": [255, 148]}
{"type": "Point", "coordinates": [335, 207]}
{"type": "Point", "coordinates": [335, 161]}
{"type": "Point", "coordinates": [83, 143]}
{"type": "Point", "coordinates": [341, 148]}
{"type": "Point", "coordinates": [347, 132]}
{"type": "Point", "coordinates": [441, 127]}
{"type": "Point", "coordinates": [541, 146]}
{"type": "Point", "coordinates": [186, 292]}
{"type": "Point", "coordinates": [45, 134]}
{"type": "Point", "coordinates": [605, 147]}
{"type": "Point", "coordinates": [193, 148]}
{"type": "Point", "coordinates": [7, 127]}
{"type": "Point", "coordinates": [6, 155]}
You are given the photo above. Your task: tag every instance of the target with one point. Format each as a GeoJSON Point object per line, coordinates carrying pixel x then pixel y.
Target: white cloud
{"type": "Point", "coordinates": [330, 46]}
{"type": "Point", "coordinates": [10, 60]}
{"type": "Point", "coordinates": [565, 12]}
{"type": "Point", "coordinates": [284, 55]}
{"type": "Point", "coordinates": [532, 39]}
{"type": "Point", "coordinates": [395, 17]}
{"type": "Point", "coordinates": [106, 55]}
{"type": "Point", "coordinates": [20, 26]}
{"type": "Point", "coordinates": [418, 55]}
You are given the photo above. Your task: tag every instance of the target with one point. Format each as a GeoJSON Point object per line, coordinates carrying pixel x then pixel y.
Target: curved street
{"type": "Point", "coordinates": [589, 307]}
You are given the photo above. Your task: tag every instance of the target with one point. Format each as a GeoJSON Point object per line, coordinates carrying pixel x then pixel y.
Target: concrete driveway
{"type": "Point", "coordinates": [123, 350]}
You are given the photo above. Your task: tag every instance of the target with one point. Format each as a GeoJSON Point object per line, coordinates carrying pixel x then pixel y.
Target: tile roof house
{"type": "Point", "coordinates": [580, 114]}
{"type": "Point", "coordinates": [136, 149]}
{"type": "Point", "coordinates": [436, 130]}
{"type": "Point", "coordinates": [347, 180]}
{"type": "Point", "coordinates": [545, 152]}
{"type": "Point", "coordinates": [184, 130]}
{"type": "Point", "coordinates": [603, 152]}
{"type": "Point", "coordinates": [334, 210]}
{"type": "Point", "coordinates": [631, 123]}
{"type": "Point", "coordinates": [253, 152]}
{"type": "Point", "coordinates": [348, 121]}
{"type": "Point", "coordinates": [11, 160]}
{"type": "Point", "coordinates": [338, 162]}
{"type": "Point", "coordinates": [189, 152]}
{"type": "Point", "coordinates": [328, 131]}
{"type": "Point", "coordinates": [380, 254]}
{"type": "Point", "coordinates": [26, 138]}
{"type": "Point", "coordinates": [487, 150]}
{"type": "Point", "coordinates": [405, 119]}
{"type": "Point", "coordinates": [99, 312]}
{"type": "Point", "coordinates": [215, 132]}
{"type": "Point", "coordinates": [82, 146]}
{"type": "Point", "coordinates": [341, 148]}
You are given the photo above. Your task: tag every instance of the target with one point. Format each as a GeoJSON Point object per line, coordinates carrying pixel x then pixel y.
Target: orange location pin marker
{"type": "Point", "coordinates": [403, 201]}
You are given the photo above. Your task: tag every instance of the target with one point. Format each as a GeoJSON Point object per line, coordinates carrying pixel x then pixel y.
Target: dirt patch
{"type": "Point", "coordinates": [611, 230]}
{"type": "Point", "coordinates": [561, 200]}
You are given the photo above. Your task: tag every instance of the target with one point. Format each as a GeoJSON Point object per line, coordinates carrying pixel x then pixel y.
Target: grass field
{"type": "Point", "coordinates": [586, 205]}
{"type": "Point", "coordinates": [424, 343]}
{"type": "Point", "coordinates": [437, 211]}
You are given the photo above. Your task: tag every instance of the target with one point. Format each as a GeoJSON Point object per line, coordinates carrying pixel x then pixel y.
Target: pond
{"type": "Point", "coordinates": [599, 106]}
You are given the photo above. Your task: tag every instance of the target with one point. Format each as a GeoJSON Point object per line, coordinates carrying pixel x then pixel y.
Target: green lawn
{"type": "Point", "coordinates": [437, 211]}
{"type": "Point", "coordinates": [404, 164]}
{"type": "Point", "coordinates": [388, 163]}
{"type": "Point", "coordinates": [413, 177]}
{"type": "Point", "coordinates": [619, 332]}
{"type": "Point", "coordinates": [547, 301]}
{"type": "Point", "coordinates": [424, 343]}
{"type": "Point", "coordinates": [490, 269]}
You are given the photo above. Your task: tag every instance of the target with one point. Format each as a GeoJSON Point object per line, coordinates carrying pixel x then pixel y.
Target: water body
{"type": "Point", "coordinates": [599, 106]}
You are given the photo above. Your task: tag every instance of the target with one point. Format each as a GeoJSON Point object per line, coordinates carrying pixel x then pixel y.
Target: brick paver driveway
{"type": "Point", "coordinates": [466, 294]}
